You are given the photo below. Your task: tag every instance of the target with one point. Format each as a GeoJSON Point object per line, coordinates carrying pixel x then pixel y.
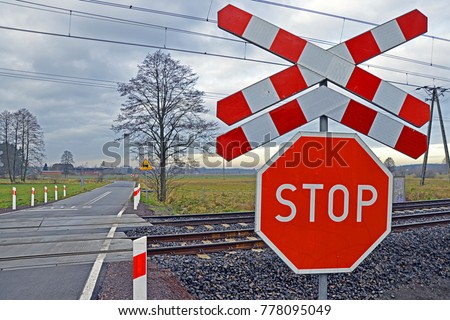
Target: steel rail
{"type": "Point", "coordinates": [250, 218]}
{"type": "Point", "coordinates": [413, 225]}
{"type": "Point", "coordinates": [63, 254]}
{"type": "Point", "coordinates": [200, 215]}
{"type": "Point", "coordinates": [159, 219]}
{"type": "Point", "coordinates": [199, 236]}
{"type": "Point", "coordinates": [421, 215]}
{"type": "Point", "coordinates": [422, 204]}
{"type": "Point", "coordinates": [206, 221]}
{"type": "Point", "coordinates": [207, 248]}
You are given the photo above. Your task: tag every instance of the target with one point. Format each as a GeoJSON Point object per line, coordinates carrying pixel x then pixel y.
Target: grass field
{"type": "Point", "coordinates": [435, 188]}
{"type": "Point", "coordinates": [24, 190]}
{"type": "Point", "coordinates": [211, 193]}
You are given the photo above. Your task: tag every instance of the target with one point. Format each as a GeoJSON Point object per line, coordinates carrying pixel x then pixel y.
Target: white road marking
{"type": "Point", "coordinates": [53, 209]}
{"type": "Point", "coordinates": [98, 198]}
{"type": "Point", "coordinates": [95, 271]}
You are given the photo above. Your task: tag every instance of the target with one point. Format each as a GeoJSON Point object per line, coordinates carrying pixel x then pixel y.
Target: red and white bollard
{"type": "Point", "coordinates": [45, 194]}
{"type": "Point", "coordinates": [32, 196]}
{"type": "Point", "coordinates": [140, 269]}
{"type": "Point", "coordinates": [135, 198]}
{"type": "Point", "coordinates": [56, 193]}
{"type": "Point", "coordinates": [64, 191]}
{"type": "Point", "coordinates": [14, 198]}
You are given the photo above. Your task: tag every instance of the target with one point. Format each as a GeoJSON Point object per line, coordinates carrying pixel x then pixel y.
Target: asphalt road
{"type": "Point", "coordinates": [56, 251]}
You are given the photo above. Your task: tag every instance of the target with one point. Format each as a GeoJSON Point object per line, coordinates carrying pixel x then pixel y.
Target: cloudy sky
{"type": "Point", "coordinates": [63, 59]}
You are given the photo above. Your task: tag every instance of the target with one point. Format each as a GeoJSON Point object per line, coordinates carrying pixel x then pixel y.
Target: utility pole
{"type": "Point", "coordinates": [435, 92]}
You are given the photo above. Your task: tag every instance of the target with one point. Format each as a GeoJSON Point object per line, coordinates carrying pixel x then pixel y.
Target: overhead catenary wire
{"type": "Point", "coordinates": [88, 15]}
{"type": "Point", "coordinates": [149, 10]}
{"type": "Point", "coordinates": [166, 48]}
{"type": "Point", "coordinates": [333, 16]}
{"type": "Point", "coordinates": [191, 17]}
{"type": "Point", "coordinates": [68, 11]}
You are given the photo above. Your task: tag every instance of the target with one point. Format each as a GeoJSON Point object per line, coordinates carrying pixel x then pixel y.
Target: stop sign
{"type": "Point", "coordinates": [323, 202]}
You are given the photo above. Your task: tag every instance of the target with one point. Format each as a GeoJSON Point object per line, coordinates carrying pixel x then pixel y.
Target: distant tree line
{"type": "Point", "coordinates": [21, 143]}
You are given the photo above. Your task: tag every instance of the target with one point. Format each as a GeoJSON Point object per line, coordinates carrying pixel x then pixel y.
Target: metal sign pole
{"type": "Point", "coordinates": [323, 286]}
{"type": "Point", "coordinates": [323, 277]}
{"type": "Point", "coordinates": [146, 186]}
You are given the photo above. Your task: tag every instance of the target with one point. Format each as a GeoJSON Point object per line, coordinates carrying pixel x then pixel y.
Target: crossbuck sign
{"type": "Point", "coordinates": [323, 202]}
{"type": "Point", "coordinates": [313, 65]}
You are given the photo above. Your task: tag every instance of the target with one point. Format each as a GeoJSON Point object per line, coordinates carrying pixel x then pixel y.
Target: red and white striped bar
{"type": "Point", "coordinates": [382, 38]}
{"type": "Point", "coordinates": [381, 128]}
{"type": "Point", "coordinates": [14, 198]}
{"type": "Point", "coordinates": [265, 93]}
{"type": "Point", "coordinates": [45, 194]}
{"type": "Point", "coordinates": [331, 65]}
{"type": "Point", "coordinates": [321, 101]}
{"type": "Point", "coordinates": [32, 196]}
{"type": "Point", "coordinates": [140, 269]}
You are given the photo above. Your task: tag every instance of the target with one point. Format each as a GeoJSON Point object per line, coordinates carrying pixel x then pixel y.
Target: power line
{"type": "Point", "coordinates": [309, 39]}
{"type": "Point", "coordinates": [100, 17]}
{"type": "Point", "coordinates": [58, 75]}
{"type": "Point", "coordinates": [169, 48]}
{"type": "Point", "coordinates": [178, 15]}
{"type": "Point", "coordinates": [88, 15]}
{"type": "Point", "coordinates": [166, 13]}
{"type": "Point", "coordinates": [332, 16]}
{"type": "Point", "coordinates": [56, 80]}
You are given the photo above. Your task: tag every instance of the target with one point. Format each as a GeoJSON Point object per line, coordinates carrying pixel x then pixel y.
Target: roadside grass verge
{"type": "Point", "coordinates": [24, 190]}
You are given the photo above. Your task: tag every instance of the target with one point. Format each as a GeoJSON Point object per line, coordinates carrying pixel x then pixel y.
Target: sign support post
{"type": "Point", "coordinates": [323, 277]}
{"type": "Point", "coordinates": [146, 186]}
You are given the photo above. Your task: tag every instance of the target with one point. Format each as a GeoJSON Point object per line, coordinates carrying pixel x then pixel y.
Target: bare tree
{"type": "Point", "coordinates": [31, 139]}
{"type": "Point", "coordinates": [23, 142]}
{"type": "Point", "coordinates": [6, 119]}
{"type": "Point", "coordinates": [67, 161]}
{"type": "Point", "coordinates": [165, 112]}
{"type": "Point", "coordinates": [390, 164]}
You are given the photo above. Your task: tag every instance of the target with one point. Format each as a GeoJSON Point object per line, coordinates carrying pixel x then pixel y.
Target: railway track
{"type": "Point", "coordinates": [198, 219]}
{"type": "Point", "coordinates": [238, 239]}
{"type": "Point", "coordinates": [249, 217]}
{"type": "Point", "coordinates": [234, 239]}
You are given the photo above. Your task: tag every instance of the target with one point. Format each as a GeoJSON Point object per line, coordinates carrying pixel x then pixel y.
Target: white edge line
{"type": "Point", "coordinates": [95, 271]}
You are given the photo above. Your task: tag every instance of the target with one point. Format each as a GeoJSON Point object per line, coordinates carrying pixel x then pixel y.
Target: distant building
{"type": "Point", "coordinates": [61, 166]}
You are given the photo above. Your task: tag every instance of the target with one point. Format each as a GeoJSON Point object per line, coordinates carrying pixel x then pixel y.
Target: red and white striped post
{"type": "Point", "coordinates": [139, 193]}
{"type": "Point", "coordinates": [135, 198]}
{"type": "Point", "coordinates": [45, 194]}
{"type": "Point", "coordinates": [64, 191]}
{"type": "Point", "coordinates": [14, 198]}
{"type": "Point", "coordinates": [32, 196]}
{"type": "Point", "coordinates": [56, 192]}
{"type": "Point", "coordinates": [140, 269]}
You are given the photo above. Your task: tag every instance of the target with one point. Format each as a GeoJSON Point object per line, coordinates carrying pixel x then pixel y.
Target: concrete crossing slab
{"type": "Point", "coordinates": [61, 243]}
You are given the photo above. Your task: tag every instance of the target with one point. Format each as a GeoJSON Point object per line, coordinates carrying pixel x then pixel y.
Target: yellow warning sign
{"type": "Point", "coordinates": [145, 165]}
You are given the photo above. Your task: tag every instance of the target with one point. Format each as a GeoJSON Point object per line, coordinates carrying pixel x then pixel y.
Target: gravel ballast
{"type": "Point", "coordinates": [404, 265]}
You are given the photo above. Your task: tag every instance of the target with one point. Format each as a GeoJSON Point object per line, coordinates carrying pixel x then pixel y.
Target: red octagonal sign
{"type": "Point", "coordinates": [324, 202]}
